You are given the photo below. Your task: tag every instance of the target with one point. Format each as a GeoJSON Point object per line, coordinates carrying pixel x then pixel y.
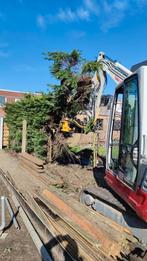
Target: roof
{"type": "Point", "coordinates": [12, 91]}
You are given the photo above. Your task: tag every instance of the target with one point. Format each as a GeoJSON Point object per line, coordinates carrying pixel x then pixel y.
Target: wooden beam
{"type": "Point", "coordinates": [24, 136]}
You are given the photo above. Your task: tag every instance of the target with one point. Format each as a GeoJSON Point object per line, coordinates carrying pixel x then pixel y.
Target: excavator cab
{"type": "Point", "coordinates": [126, 164]}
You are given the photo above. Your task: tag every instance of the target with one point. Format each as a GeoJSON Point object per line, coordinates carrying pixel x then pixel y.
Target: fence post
{"type": "Point", "coordinates": [1, 132]}
{"type": "Point", "coordinates": [49, 153]}
{"type": "Point", "coordinates": [24, 136]}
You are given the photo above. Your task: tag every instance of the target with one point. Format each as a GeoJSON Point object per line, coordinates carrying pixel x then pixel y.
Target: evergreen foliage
{"type": "Point", "coordinates": [66, 68]}
{"type": "Point", "coordinates": [44, 112]}
{"type": "Point", "coordinates": [36, 110]}
{"type": "Point", "coordinates": [91, 67]}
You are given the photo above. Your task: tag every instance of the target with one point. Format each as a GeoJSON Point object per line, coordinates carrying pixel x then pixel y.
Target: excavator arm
{"type": "Point", "coordinates": [115, 70]}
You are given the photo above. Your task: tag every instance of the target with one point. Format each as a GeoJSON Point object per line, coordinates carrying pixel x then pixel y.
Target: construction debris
{"type": "Point", "coordinates": [31, 162]}
{"type": "Point", "coordinates": [100, 232]}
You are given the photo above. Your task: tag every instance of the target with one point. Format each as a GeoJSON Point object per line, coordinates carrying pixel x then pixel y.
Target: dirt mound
{"type": "Point", "coordinates": [71, 178]}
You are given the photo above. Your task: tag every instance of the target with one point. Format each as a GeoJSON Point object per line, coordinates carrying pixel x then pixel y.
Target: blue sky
{"type": "Point", "coordinates": [29, 28]}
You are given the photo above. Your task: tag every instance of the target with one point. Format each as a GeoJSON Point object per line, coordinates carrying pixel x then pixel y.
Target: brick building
{"type": "Point", "coordinates": [6, 96]}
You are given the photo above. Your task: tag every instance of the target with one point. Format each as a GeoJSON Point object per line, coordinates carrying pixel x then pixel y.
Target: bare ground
{"type": "Point", "coordinates": [71, 179]}
{"type": "Point", "coordinates": [16, 245]}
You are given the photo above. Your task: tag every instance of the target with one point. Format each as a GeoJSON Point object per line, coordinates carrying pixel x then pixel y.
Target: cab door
{"type": "Point", "coordinates": [129, 140]}
{"type": "Point", "coordinates": [124, 142]}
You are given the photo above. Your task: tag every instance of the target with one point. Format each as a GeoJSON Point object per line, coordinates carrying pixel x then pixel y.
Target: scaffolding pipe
{"type": "Point", "coordinates": [36, 239]}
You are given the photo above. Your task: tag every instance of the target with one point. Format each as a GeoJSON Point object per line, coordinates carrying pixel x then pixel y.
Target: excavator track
{"type": "Point", "coordinates": [110, 205]}
{"type": "Point", "coordinates": [108, 197]}
{"type": "Point", "coordinates": [140, 256]}
{"type": "Point", "coordinates": [137, 253]}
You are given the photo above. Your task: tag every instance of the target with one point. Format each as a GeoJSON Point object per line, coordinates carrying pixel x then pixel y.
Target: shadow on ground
{"type": "Point", "coordinates": [71, 248]}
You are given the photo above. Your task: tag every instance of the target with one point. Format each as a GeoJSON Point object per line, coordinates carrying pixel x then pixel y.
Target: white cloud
{"type": "Point", "coordinates": [117, 5]}
{"type": "Point", "coordinates": [120, 5]}
{"type": "Point", "coordinates": [83, 14]}
{"type": "Point", "coordinates": [66, 15]}
{"type": "Point", "coordinates": [69, 15]}
{"type": "Point", "coordinates": [114, 13]}
{"type": "Point", "coordinates": [41, 21]}
{"type": "Point", "coordinates": [63, 15]}
{"type": "Point", "coordinates": [112, 22]}
{"type": "Point", "coordinates": [106, 7]}
{"type": "Point", "coordinates": [109, 13]}
{"type": "Point", "coordinates": [92, 6]}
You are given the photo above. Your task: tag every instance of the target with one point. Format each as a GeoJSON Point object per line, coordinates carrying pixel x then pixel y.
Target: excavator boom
{"type": "Point", "coordinates": [115, 70]}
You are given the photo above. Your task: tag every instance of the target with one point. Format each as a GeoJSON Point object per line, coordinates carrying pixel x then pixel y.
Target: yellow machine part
{"type": "Point", "coordinates": [65, 127]}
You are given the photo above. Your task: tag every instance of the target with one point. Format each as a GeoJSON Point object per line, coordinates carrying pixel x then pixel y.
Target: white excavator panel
{"type": "Point", "coordinates": [142, 81]}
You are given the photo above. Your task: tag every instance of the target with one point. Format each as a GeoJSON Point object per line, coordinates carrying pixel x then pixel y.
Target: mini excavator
{"type": "Point", "coordinates": [123, 198]}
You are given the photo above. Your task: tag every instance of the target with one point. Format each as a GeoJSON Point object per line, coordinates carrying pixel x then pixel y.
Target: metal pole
{"type": "Point", "coordinates": [36, 239]}
{"type": "Point", "coordinates": [12, 214]}
{"type": "Point", "coordinates": [3, 220]}
{"type": "Point", "coordinates": [5, 203]}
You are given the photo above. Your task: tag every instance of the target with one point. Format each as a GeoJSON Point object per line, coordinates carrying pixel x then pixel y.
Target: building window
{"type": "Point", "coordinates": [100, 124]}
{"type": "Point", "coordinates": [2, 100]}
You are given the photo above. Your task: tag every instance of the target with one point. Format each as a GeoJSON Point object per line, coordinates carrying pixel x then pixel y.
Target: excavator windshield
{"type": "Point", "coordinates": [124, 135]}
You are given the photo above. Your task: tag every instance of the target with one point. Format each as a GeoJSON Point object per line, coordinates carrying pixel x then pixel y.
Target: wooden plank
{"type": "Point", "coordinates": [108, 243]}
{"type": "Point", "coordinates": [43, 178]}
{"type": "Point", "coordinates": [87, 249]}
{"type": "Point", "coordinates": [32, 158]}
{"type": "Point", "coordinates": [32, 171]}
{"type": "Point", "coordinates": [32, 165]}
{"type": "Point", "coordinates": [24, 136]}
